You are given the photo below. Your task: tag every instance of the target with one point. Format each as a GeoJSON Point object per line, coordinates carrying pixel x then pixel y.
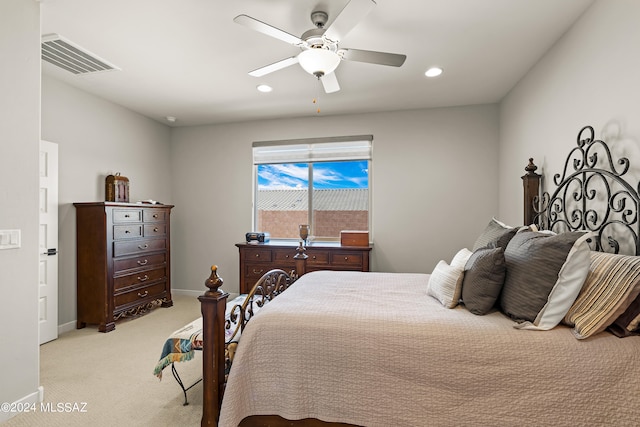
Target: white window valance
{"type": "Point", "coordinates": [330, 149]}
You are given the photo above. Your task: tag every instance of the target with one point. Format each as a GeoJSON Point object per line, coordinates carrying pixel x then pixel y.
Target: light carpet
{"type": "Point", "coordinates": [111, 375]}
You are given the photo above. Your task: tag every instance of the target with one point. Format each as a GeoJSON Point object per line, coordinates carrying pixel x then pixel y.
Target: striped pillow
{"type": "Point", "coordinates": [612, 284]}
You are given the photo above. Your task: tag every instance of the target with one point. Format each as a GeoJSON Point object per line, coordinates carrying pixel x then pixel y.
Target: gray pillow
{"type": "Point", "coordinates": [496, 235]}
{"type": "Point", "coordinates": [545, 272]}
{"type": "Point", "coordinates": [483, 279]}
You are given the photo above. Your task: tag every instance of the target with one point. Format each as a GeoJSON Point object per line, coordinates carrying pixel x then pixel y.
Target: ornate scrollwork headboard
{"type": "Point", "coordinates": [593, 194]}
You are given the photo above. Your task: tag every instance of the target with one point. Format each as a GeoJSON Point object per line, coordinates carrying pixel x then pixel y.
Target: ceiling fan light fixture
{"type": "Point", "coordinates": [433, 72]}
{"type": "Point", "coordinates": [264, 88]}
{"type": "Point", "coordinates": [319, 62]}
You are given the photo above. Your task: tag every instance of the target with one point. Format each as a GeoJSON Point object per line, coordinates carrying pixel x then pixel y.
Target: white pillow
{"type": "Point", "coordinates": [460, 259]}
{"type": "Point", "coordinates": [445, 283]}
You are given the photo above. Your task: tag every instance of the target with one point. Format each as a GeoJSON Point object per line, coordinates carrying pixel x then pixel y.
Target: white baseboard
{"type": "Point", "coordinates": [31, 399]}
{"type": "Point", "coordinates": [66, 327]}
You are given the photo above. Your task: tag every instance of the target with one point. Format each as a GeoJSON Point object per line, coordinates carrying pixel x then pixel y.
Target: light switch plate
{"type": "Point", "coordinates": [9, 239]}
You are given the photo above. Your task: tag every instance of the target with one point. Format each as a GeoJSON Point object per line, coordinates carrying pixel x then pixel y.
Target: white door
{"type": "Point", "coordinates": [48, 275]}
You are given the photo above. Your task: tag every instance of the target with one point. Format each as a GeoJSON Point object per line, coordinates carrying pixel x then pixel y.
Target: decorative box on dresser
{"type": "Point", "coordinates": [123, 261]}
{"type": "Point", "coordinates": [258, 258]}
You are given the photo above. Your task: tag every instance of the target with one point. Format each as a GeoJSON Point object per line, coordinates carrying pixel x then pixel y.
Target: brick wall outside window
{"type": "Point", "coordinates": [284, 224]}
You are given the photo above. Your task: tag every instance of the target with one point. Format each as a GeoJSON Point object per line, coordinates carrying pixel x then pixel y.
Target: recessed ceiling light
{"type": "Point", "coordinates": [264, 88]}
{"type": "Point", "coordinates": [171, 119]}
{"type": "Point", "coordinates": [433, 72]}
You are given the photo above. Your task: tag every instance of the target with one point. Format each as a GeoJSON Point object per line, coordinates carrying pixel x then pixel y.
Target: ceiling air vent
{"type": "Point", "coordinates": [71, 57]}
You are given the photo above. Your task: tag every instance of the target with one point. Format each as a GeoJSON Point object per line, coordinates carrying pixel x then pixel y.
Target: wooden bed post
{"type": "Point", "coordinates": [531, 183]}
{"type": "Point", "coordinates": [213, 306]}
{"type": "Point", "coordinates": [301, 260]}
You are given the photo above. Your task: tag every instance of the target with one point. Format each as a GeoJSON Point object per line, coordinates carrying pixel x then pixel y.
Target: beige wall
{"type": "Point", "coordinates": [590, 77]}
{"type": "Point", "coordinates": [19, 141]}
{"type": "Point", "coordinates": [96, 138]}
{"type": "Point", "coordinates": [434, 178]}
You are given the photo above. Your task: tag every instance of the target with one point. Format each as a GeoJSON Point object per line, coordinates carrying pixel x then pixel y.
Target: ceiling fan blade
{"type": "Point", "coordinates": [259, 72]}
{"type": "Point", "coordinates": [269, 30]}
{"type": "Point", "coordinates": [348, 18]}
{"type": "Point", "coordinates": [330, 82]}
{"type": "Point", "coordinates": [373, 57]}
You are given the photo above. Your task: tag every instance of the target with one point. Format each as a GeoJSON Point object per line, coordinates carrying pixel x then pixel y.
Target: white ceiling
{"type": "Point", "coordinates": [188, 59]}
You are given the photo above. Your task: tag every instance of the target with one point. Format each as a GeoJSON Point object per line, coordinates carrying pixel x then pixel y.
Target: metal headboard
{"type": "Point", "coordinates": [593, 194]}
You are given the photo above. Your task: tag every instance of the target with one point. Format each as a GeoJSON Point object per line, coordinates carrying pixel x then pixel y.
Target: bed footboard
{"type": "Point", "coordinates": [216, 349]}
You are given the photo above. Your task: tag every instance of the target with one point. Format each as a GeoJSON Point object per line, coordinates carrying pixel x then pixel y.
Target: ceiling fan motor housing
{"type": "Point", "coordinates": [319, 18]}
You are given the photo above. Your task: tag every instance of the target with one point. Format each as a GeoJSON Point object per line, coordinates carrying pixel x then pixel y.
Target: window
{"type": "Point", "coordinates": [321, 182]}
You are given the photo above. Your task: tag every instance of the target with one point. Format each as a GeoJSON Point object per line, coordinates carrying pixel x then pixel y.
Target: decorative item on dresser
{"type": "Point", "coordinates": [116, 188]}
{"type": "Point", "coordinates": [123, 261]}
{"type": "Point", "coordinates": [257, 259]}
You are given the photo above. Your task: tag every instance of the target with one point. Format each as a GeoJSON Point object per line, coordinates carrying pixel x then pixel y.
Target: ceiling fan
{"type": "Point", "coordinates": [321, 53]}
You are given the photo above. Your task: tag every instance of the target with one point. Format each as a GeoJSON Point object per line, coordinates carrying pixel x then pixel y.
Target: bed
{"type": "Point", "coordinates": [532, 338]}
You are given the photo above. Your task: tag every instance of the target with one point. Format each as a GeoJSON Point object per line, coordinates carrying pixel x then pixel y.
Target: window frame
{"type": "Point", "coordinates": [362, 154]}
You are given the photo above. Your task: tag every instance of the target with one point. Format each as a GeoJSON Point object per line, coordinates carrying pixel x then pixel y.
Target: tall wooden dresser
{"type": "Point", "coordinates": [123, 261]}
{"type": "Point", "coordinates": [257, 259]}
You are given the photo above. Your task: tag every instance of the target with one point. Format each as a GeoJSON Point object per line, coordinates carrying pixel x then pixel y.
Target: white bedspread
{"type": "Point", "coordinates": [373, 349]}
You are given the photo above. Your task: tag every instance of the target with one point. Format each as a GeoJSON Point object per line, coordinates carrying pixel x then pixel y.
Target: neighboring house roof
{"type": "Point", "coordinates": [347, 199]}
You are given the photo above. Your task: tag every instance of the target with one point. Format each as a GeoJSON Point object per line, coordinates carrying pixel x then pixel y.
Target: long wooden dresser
{"type": "Point", "coordinates": [257, 259]}
{"type": "Point", "coordinates": [123, 261]}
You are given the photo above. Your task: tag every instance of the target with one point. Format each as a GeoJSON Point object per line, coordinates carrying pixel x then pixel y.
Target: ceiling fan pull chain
{"type": "Point", "coordinates": [316, 100]}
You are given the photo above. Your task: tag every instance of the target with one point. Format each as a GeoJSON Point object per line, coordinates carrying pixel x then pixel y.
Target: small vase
{"type": "Point", "coordinates": [304, 232]}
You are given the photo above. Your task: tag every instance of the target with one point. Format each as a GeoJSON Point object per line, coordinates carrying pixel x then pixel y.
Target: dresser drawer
{"type": "Point", "coordinates": [127, 215]}
{"type": "Point", "coordinates": [155, 230]}
{"type": "Point", "coordinates": [154, 215]}
{"type": "Point", "coordinates": [132, 231]}
{"type": "Point", "coordinates": [353, 259]}
{"type": "Point", "coordinates": [254, 271]}
{"type": "Point", "coordinates": [143, 261]}
{"type": "Point", "coordinates": [318, 257]}
{"type": "Point", "coordinates": [258, 255]}
{"type": "Point", "coordinates": [138, 246]}
{"type": "Point", "coordinates": [135, 279]}
{"type": "Point", "coordinates": [283, 257]}
{"type": "Point", "coordinates": [157, 290]}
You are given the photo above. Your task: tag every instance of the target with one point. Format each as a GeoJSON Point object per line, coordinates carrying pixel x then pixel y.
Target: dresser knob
{"type": "Point", "coordinates": [286, 256]}
{"type": "Point", "coordinates": [257, 271]}
{"type": "Point", "coordinates": [144, 294]}
{"type": "Point", "coordinates": [145, 246]}
{"type": "Point", "coordinates": [155, 229]}
{"type": "Point", "coordinates": [155, 215]}
{"type": "Point", "coordinates": [143, 279]}
{"type": "Point", "coordinates": [346, 258]}
{"type": "Point", "coordinates": [257, 255]}
{"type": "Point", "coordinates": [126, 232]}
{"type": "Point", "coordinates": [314, 257]}
{"type": "Point", "coordinates": [143, 262]}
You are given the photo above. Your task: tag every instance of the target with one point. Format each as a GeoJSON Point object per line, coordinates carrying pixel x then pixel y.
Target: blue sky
{"type": "Point", "coordinates": [326, 175]}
